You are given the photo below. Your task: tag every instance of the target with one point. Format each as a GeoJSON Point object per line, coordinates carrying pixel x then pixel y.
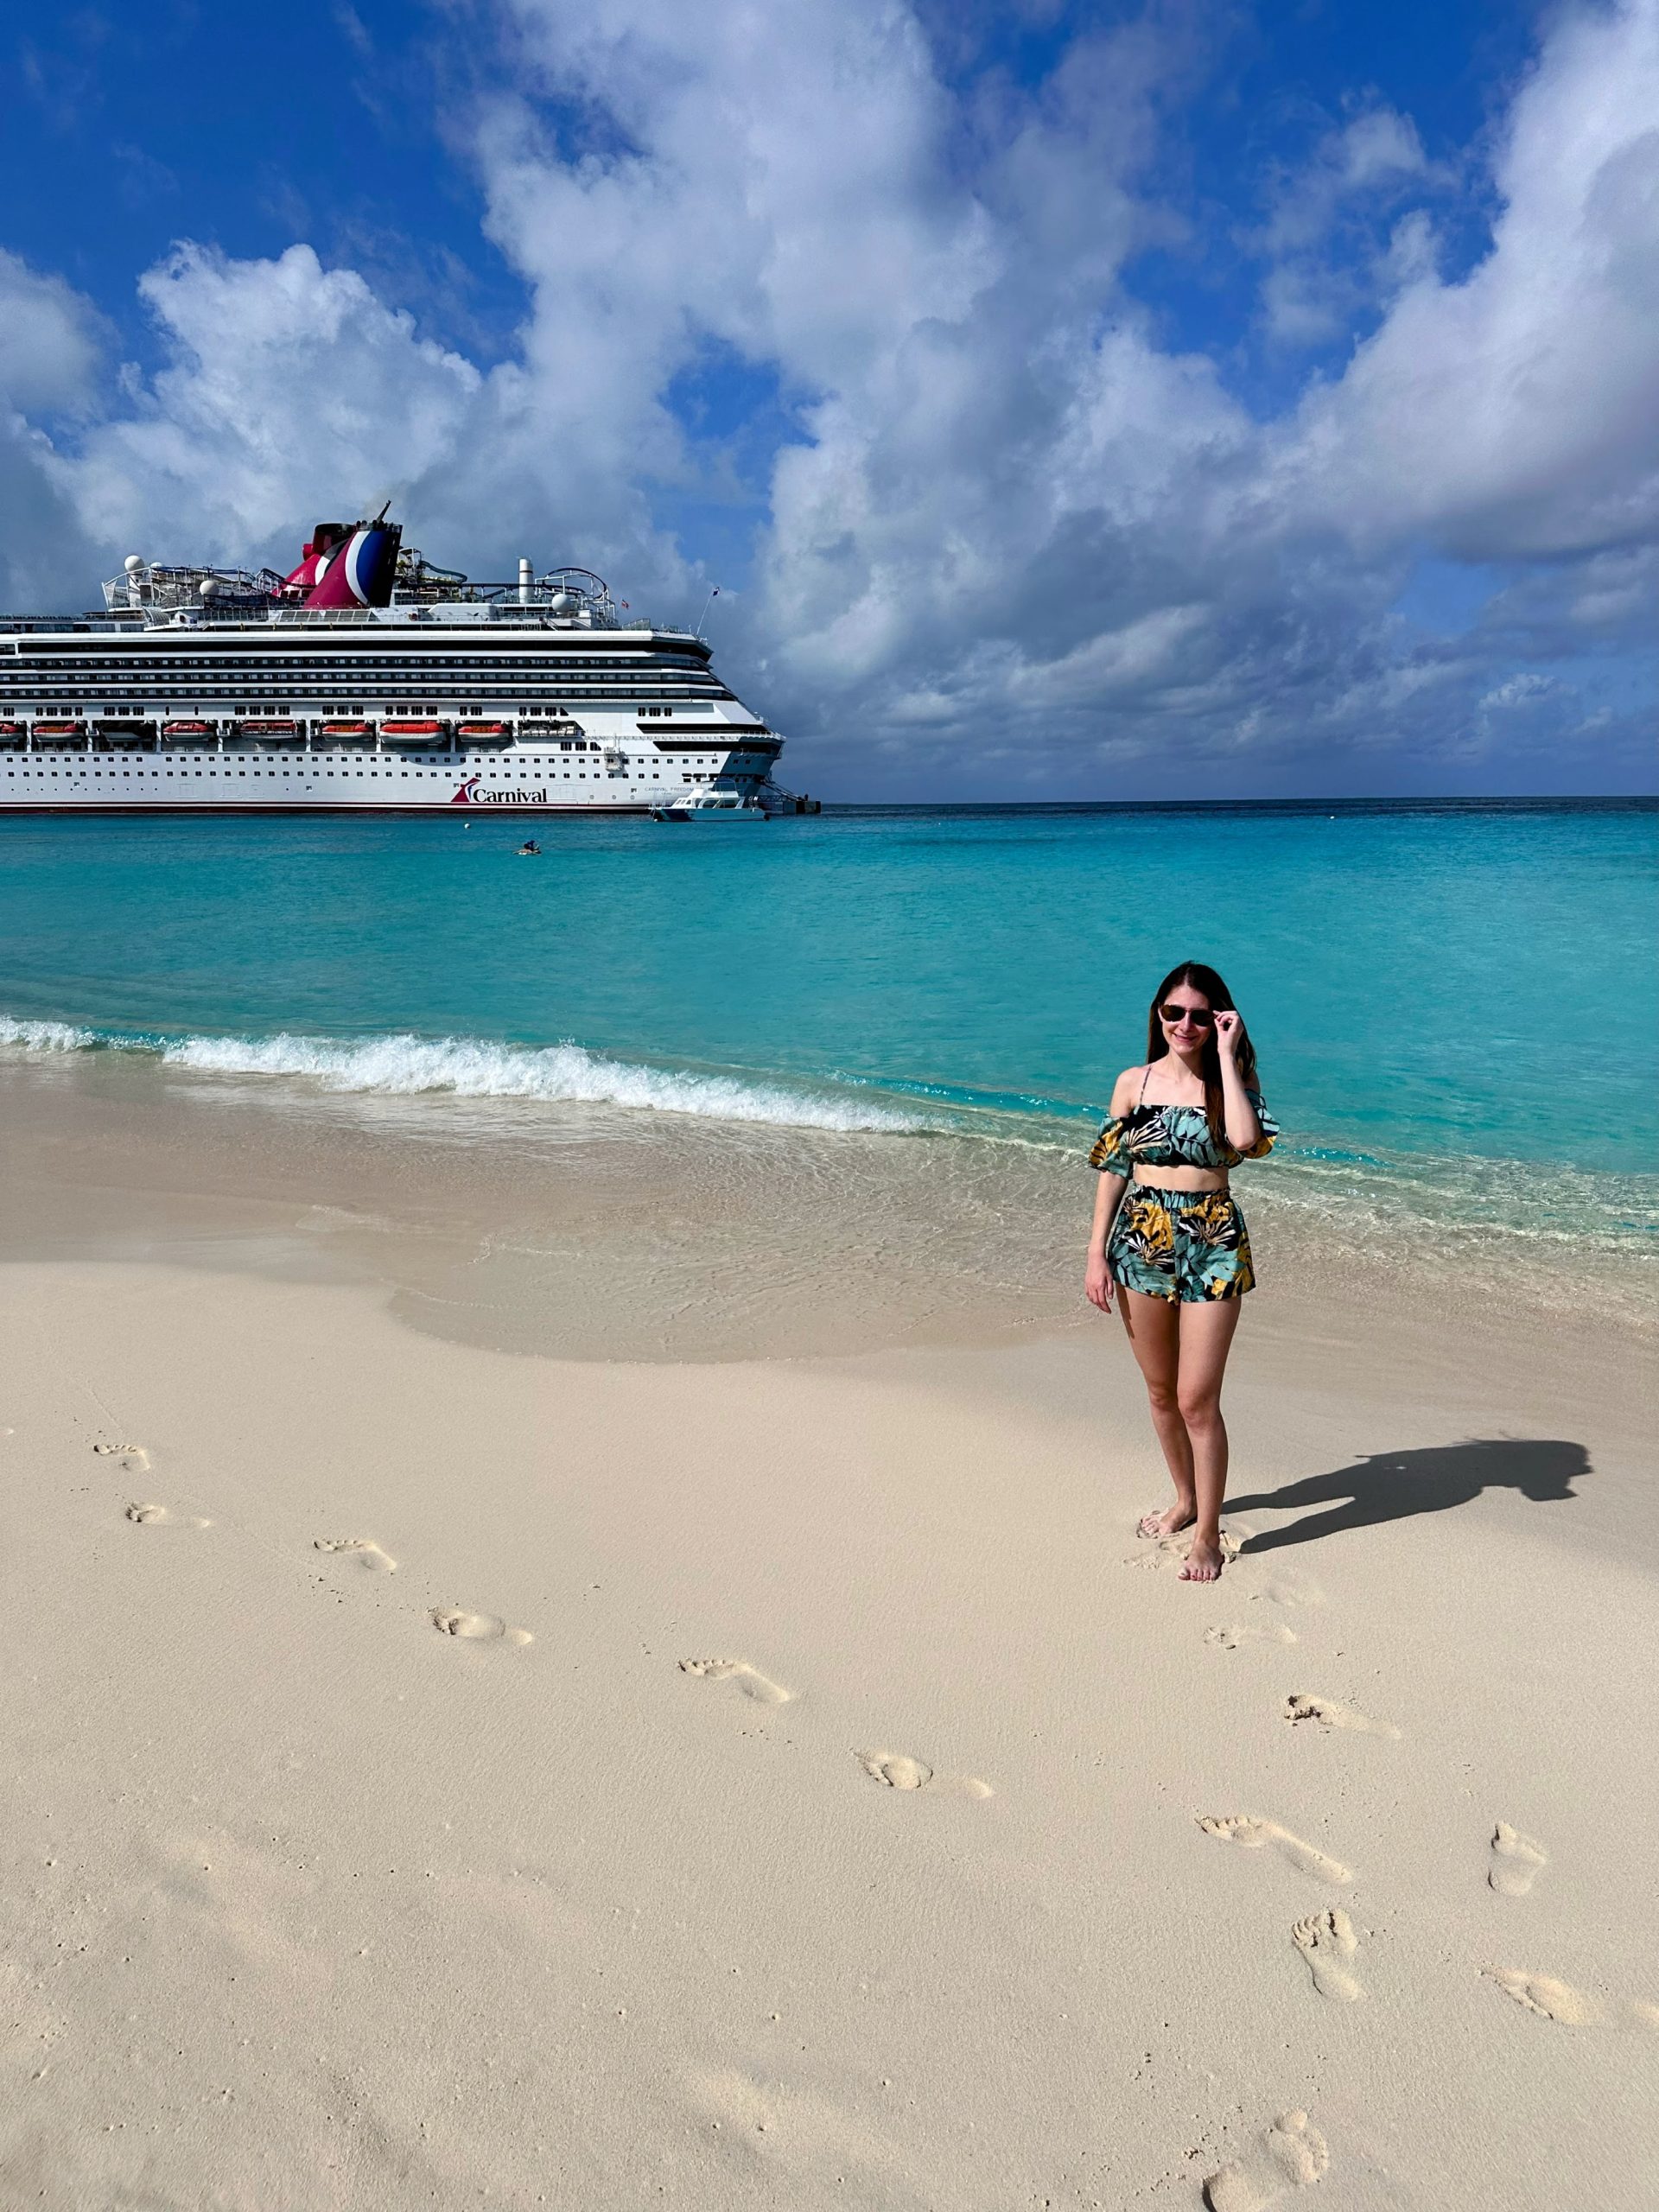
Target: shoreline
{"type": "Point", "coordinates": [589, 1230]}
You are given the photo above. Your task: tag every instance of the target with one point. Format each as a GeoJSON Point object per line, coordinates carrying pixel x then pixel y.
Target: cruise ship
{"type": "Point", "coordinates": [369, 680]}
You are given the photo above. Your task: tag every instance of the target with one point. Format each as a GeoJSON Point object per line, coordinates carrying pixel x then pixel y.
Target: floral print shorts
{"type": "Point", "coordinates": [1184, 1245]}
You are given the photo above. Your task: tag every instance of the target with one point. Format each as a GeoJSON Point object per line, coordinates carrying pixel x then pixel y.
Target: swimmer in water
{"type": "Point", "coordinates": [530, 846]}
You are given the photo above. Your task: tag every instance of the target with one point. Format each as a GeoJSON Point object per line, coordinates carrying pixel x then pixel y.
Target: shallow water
{"type": "Point", "coordinates": [1454, 1004]}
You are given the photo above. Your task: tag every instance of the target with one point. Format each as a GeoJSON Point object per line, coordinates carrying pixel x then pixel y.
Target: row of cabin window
{"type": "Point", "coordinates": [493, 768]}
{"type": "Point", "coordinates": [314, 664]}
{"type": "Point", "coordinates": [402, 675]}
{"type": "Point", "coordinates": [405, 674]}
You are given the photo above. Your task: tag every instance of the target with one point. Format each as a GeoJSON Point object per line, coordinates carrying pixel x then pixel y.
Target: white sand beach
{"type": "Point", "coordinates": [442, 1775]}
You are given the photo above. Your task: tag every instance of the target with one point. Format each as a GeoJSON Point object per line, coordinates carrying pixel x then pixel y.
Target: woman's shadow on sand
{"type": "Point", "coordinates": [1393, 1485]}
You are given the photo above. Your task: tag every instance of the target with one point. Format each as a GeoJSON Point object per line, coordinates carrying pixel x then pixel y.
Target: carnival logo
{"type": "Point", "coordinates": [470, 794]}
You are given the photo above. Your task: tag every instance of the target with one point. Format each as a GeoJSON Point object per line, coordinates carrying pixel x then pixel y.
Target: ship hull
{"type": "Point", "coordinates": [296, 806]}
{"type": "Point", "coordinates": [112, 782]}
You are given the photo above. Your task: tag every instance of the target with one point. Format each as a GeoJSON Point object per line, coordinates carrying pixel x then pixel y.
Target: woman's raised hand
{"type": "Point", "coordinates": [1230, 1030]}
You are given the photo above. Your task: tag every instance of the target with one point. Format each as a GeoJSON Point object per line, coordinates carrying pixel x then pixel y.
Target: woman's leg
{"type": "Point", "coordinates": [1205, 1338]}
{"type": "Point", "coordinates": [1153, 1326]}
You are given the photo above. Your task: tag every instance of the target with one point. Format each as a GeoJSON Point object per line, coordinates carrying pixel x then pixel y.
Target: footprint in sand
{"type": "Point", "coordinates": [1515, 1859]}
{"type": "Point", "coordinates": [1324, 1940]}
{"type": "Point", "coordinates": [149, 1515]}
{"type": "Point", "coordinates": [1250, 1833]}
{"type": "Point", "coordinates": [1287, 1587]}
{"type": "Point", "coordinates": [1569, 2007]}
{"type": "Point", "coordinates": [1299, 1706]}
{"type": "Point", "coordinates": [1293, 2155]}
{"type": "Point", "coordinates": [749, 1679]}
{"type": "Point", "coordinates": [133, 1456]}
{"type": "Point", "coordinates": [1543, 1994]}
{"type": "Point", "coordinates": [363, 1549]}
{"type": "Point", "coordinates": [898, 1770]}
{"type": "Point", "coordinates": [477, 1627]}
{"type": "Point", "coordinates": [1232, 1634]}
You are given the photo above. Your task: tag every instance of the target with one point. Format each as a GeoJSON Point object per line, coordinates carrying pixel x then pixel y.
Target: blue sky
{"type": "Point", "coordinates": [345, 127]}
{"type": "Point", "coordinates": [1070, 402]}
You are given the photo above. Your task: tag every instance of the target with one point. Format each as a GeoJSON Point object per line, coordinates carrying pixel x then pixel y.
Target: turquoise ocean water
{"type": "Point", "coordinates": [1456, 1006]}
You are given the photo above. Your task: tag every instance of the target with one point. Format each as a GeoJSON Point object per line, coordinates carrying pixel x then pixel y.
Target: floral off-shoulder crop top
{"type": "Point", "coordinates": [1174, 1137]}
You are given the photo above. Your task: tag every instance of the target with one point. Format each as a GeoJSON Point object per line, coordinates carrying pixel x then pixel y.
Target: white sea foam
{"type": "Point", "coordinates": [45, 1036]}
{"type": "Point", "coordinates": [474, 1068]}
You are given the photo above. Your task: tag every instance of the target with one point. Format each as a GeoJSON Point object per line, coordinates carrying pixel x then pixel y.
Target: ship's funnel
{"type": "Point", "coordinates": [362, 571]}
{"type": "Point", "coordinates": [299, 583]}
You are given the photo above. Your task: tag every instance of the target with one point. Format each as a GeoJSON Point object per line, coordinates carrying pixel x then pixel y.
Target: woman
{"type": "Point", "coordinates": [1173, 1241]}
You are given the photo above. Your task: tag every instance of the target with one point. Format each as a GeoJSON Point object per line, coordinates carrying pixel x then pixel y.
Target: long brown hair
{"type": "Point", "coordinates": [1197, 977]}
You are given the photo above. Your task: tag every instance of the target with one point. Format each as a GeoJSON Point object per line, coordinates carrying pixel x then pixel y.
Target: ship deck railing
{"type": "Point", "coordinates": [125, 620]}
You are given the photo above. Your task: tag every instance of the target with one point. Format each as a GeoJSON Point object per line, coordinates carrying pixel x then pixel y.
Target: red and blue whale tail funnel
{"type": "Point", "coordinates": [355, 568]}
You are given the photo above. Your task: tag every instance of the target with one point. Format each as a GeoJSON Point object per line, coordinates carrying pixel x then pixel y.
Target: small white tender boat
{"type": "Point", "coordinates": [711, 806]}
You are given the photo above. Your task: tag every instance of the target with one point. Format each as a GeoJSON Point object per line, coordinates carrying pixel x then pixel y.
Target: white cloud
{"type": "Point", "coordinates": [1011, 524]}
{"type": "Point", "coordinates": [49, 340]}
{"type": "Point", "coordinates": [1511, 414]}
{"type": "Point", "coordinates": [50, 343]}
{"type": "Point", "coordinates": [1380, 144]}
{"type": "Point", "coordinates": [1411, 257]}
{"type": "Point", "coordinates": [1319, 276]}
{"type": "Point", "coordinates": [1518, 691]}
{"type": "Point", "coordinates": [1375, 149]}
{"type": "Point", "coordinates": [292, 389]}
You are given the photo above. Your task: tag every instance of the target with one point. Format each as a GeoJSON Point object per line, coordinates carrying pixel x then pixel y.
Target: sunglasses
{"type": "Point", "coordinates": [1199, 1016]}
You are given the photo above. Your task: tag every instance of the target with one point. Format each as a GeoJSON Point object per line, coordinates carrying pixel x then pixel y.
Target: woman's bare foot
{"type": "Point", "coordinates": [1204, 1562]}
{"type": "Point", "coordinates": [1169, 1523]}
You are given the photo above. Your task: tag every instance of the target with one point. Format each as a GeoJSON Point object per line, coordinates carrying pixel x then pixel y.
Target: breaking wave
{"type": "Point", "coordinates": [46, 1036]}
{"type": "Point", "coordinates": [463, 1067]}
